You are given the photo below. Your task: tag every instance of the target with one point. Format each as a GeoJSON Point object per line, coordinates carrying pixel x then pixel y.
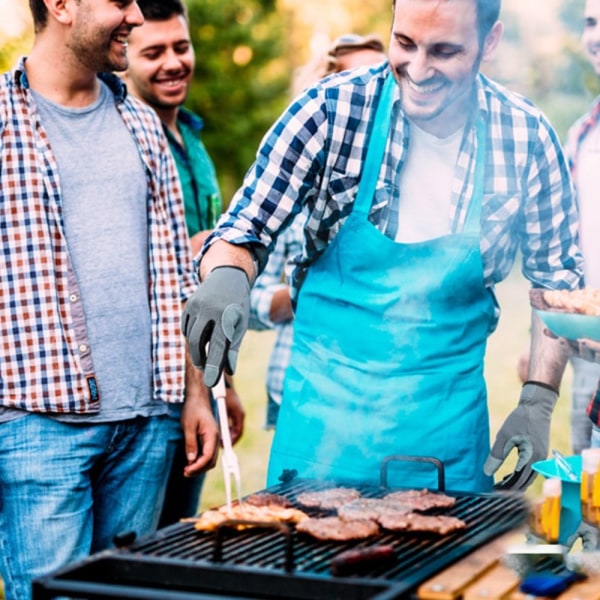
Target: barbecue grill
{"type": "Point", "coordinates": [274, 561]}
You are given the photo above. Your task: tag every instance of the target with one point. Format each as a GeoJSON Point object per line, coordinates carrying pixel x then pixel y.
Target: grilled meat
{"type": "Point", "coordinates": [357, 560]}
{"type": "Point", "coordinates": [211, 519]}
{"type": "Point", "coordinates": [415, 522]}
{"type": "Point", "coordinates": [371, 508]}
{"type": "Point", "coordinates": [328, 499]}
{"type": "Point", "coordinates": [334, 528]}
{"type": "Point", "coordinates": [267, 499]}
{"type": "Point", "coordinates": [421, 499]}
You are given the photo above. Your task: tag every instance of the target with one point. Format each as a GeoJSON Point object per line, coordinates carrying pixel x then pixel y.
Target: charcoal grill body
{"type": "Point", "coordinates": [178, 562]}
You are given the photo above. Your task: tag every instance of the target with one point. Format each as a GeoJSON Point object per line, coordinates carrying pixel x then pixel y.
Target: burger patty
{"type": "Point", "coordinates": [421, 499]}
{"type": "Point", "coordinates": [328, 499]}
{"type": "Point", "coordinates": [415, 522]}
{"type": "Point", "coordinates": [267, 499]}
{"type": "Point", "coordinates": [371, 508]}
{"type": "Point", "coordinates": [337, 529]}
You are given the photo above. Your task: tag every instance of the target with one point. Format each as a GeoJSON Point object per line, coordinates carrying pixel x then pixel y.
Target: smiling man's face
{"type": "Point", "coordinates": [435, 53]}
{"type": "Point", "coordinates": [100, 32]}
{"type": "Point", "coordinates": [161, 62]}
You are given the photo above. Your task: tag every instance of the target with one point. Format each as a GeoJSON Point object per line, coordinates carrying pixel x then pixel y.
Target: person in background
{"type": "Point", "coordinates": [270, 299]}
{"type": "Point", "coordinates": [421, 179]}
{"type": "Point", "coordinates": [582, 148]}
{"type": "Point", "coordinates": [161, 67]}
{"type": "Point", "coordinates": [347, 51]}
{"type": "Point", "coordinates": [96, 264]}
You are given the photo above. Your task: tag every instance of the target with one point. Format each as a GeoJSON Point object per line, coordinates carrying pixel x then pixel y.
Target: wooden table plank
{"type": "Point", "coordinates": [451, 583]}
{"type": "Point", "coordinates": [496, 584]}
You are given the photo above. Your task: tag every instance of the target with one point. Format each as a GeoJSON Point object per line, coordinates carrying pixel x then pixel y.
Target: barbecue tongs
{"type": "Point", "coordinates": [229, 461]}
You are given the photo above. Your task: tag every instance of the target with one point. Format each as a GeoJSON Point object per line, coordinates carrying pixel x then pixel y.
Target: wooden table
{"type": "Point", "coordinates": [483, 576]}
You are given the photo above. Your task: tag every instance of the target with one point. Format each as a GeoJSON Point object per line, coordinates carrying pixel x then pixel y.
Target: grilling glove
{"type": "Point", "coordinates": [527, 428]}
{"type": "Point", "coordinates": [217, 315]}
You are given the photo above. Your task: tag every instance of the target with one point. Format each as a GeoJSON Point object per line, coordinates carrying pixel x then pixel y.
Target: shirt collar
{"type": "Point", "coordinates": [116, 85]}
{"type": "Point", "coordinates": [193, 121]}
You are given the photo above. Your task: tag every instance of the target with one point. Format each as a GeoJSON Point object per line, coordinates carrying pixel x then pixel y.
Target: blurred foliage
{"type": "Point", "coordinates": [248, 50]}
{"type": "Point", "coordinates": [12, 48]}
{"type": "Point", "coordinates": [571, 82]}
{"type": "Point", "coordinates": [241, 79]}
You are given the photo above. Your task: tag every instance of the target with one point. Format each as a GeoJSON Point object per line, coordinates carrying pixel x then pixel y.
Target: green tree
{"type": "Point", "coordinates": [241, 79]}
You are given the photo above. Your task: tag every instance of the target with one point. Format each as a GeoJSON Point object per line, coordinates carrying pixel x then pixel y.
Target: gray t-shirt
{"type": "Point", "coordinates": [104, 201]}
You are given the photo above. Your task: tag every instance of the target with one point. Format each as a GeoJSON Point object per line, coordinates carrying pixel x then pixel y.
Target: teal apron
{"type": "Point", "coordinates": [389, 342]}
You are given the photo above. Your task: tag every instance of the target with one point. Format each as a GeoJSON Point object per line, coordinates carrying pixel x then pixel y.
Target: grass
{"type": "Point", "coordinates": [504, 347]}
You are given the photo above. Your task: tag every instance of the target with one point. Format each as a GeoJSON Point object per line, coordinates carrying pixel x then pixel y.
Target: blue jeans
{"type": "Point", "coordinates": [66, 490]}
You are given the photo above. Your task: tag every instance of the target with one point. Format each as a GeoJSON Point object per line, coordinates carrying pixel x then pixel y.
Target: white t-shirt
{"type": "Point", "coordinates": [425, 185]}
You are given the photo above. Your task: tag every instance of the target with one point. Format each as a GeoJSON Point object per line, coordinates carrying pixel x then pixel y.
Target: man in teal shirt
{"type": "Point", "coordinates": [197, 175]}
{"type": "Point", "coordinates": [161, 66]}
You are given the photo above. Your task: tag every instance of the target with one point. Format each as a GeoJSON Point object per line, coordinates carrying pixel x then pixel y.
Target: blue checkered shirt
{"type": "Point", "coordinates": [311, 159]}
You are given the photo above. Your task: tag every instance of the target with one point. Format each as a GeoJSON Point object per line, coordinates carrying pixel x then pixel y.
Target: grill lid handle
{"type": "Point", "coordinates": [406, 458]}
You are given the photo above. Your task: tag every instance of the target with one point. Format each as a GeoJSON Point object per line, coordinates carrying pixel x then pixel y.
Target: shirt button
{"type": "Point", "coordinates": [83, 348]}
{"type": "Point", "coordinates": [73, 297]}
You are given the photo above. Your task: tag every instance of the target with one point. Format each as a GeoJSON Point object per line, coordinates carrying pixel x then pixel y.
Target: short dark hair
{"type": "Point", "coordinates": [161, 10]}
{"type": "Point", "coordinates": [488, 12]}
{"type": "Point", "coordinates": [39, 12]}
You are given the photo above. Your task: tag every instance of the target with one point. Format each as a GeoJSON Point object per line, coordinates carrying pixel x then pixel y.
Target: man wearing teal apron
{"type": "Point", "coordinates": [391, 325]}
{"type": "Point", "coordinates": [409, 380]}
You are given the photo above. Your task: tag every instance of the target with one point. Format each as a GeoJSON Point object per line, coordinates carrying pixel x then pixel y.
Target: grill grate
{"type": "Point", "coordinates": [180, 560]}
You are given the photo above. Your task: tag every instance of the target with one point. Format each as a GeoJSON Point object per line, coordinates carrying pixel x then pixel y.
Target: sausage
{"type": "Point", "coordinates": [361, 559]}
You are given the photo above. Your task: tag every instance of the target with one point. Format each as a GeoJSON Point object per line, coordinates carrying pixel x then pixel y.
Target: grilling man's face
{"type": "Point", "coordinates": [435, 54]}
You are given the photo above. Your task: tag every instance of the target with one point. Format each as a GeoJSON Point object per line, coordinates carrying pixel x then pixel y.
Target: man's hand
{"type": "Point", "coordinates": [201, 436]}
{"type": "Point", "coordinates": [217, 316]}
{"type": "Point", "coordinates": [583, 348]}
{"type": "Point", "coordinates": [527, 429]}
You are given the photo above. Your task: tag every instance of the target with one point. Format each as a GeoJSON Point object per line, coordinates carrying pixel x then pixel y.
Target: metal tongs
{"type": "Point", "coordinates": [229, 461]}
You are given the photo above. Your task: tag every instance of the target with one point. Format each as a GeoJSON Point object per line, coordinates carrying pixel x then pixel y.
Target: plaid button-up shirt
{"type": "Point", "coordinates": [313, 155]}
{"type": "Point", "coordinates": [45, 363]}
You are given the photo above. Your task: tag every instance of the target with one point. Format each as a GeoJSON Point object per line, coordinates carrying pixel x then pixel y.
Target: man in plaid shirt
{"type": "Point", "coordinates": [270, 302]}
{"type": "Point", "coordinates": [95, 267]}
{"type": "Point", "coordinates": [421, 180]}
{"type": "Point", "coordinates": [583, 148]}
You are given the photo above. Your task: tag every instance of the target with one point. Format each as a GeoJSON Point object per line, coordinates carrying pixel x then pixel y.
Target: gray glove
{"type": "Point", "coordinates": [527, 428]}
{"type": "Point", "coordinates": [217, 315]}
{"type": "Point", "coordinates": [589, 536]}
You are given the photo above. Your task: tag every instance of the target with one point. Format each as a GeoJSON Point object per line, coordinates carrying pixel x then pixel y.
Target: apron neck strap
{"type": "Point", "coordinates": [376, 148]}
{"type": "Point", "coordinates": [473, 220]}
